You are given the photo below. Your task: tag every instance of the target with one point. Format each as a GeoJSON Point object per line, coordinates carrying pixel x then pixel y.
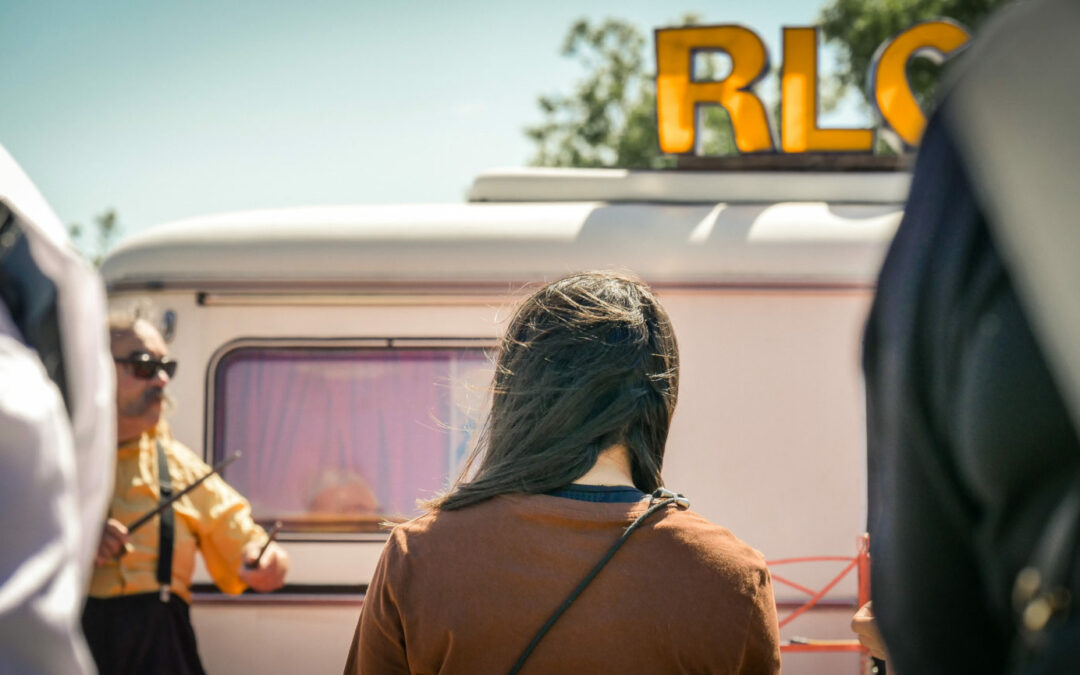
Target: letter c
{"type": "Point", "coordinates": [889, 83]}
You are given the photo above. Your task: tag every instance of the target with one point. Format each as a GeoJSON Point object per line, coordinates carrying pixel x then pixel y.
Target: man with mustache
{"type": "Point", "coordinates": [136, 619]}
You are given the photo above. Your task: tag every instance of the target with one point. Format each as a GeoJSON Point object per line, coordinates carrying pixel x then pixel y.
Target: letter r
{"type": "Point", "coordinates": [678, 95]}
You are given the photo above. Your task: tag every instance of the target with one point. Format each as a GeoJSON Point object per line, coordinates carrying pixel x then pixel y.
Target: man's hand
{"type": "Point", "coordinates": [270, 574]}
{"type": "Point", "coordinates": [865, 626]}
{"type": "Point", "coordinates": [114, 542]}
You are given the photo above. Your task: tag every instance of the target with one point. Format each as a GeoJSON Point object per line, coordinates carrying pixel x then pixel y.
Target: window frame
{"type": "Point", "coordinates": [222, 353]}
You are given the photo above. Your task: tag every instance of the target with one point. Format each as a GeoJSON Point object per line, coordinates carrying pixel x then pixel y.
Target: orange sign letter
{"type": "Point", "coordinates": [799, 131]}
{"type": "Point", "coordinates": [889, 83]}
{"type": "Point", "coordinates": [678, 95]}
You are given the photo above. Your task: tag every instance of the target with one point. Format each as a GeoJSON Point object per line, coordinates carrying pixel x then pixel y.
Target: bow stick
{"type": "Point", "coordinates": [145, 518]}
{"type": "Point", "coordinates": [273, 535]}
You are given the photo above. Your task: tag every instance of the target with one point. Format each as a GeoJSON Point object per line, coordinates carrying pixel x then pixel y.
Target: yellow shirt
{"type": "Point", "coordinates": [213, 518]}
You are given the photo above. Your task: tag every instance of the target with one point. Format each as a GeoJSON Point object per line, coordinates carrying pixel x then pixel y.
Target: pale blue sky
{"type": "Point", "coordinates": [165, 109]}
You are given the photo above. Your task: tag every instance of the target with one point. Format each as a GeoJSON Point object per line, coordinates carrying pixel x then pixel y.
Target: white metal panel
{"type": "Point", "coordinates": [493, 244]}
{"type": "Point", "coordinates": [767, 438]}
{"type": "Point", "coordinates": [252, 639]}
{"type": "Point", "coordinates": [768, 434]}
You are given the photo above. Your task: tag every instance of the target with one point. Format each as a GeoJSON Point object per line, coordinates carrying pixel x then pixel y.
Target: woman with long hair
{"type": "Point", "coordinates": [528, 562]}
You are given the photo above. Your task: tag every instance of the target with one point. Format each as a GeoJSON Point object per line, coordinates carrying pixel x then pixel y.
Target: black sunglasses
{"type": "Point", "coordinates": [146, 367]}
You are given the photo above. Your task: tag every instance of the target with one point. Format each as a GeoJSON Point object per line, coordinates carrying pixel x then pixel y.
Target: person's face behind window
{"type": "Point", "coordinates": [138, 399]}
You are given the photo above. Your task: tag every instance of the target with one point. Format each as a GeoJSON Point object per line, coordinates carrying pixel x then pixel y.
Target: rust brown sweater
{"type": "Point", "coordinates": [465, 591]}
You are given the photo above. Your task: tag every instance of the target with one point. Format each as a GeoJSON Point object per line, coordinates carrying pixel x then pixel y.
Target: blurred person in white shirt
{"type": "Point", "coordinates": [57, 432]}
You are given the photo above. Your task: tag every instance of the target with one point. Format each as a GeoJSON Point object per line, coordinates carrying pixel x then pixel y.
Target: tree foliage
{"type": "Point", "coordinates": [609, 119]}
{"type": "Point", "coordinates": [106, 228]}
{"type": "Point", "coordinates": [859, 27]}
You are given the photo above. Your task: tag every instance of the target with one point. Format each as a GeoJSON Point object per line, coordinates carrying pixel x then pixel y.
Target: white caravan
{"type": "Point", "coordinates": [344, 351]}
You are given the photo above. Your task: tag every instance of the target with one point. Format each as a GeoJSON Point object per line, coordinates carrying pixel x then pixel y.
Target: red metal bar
{"type": "Point", "coordinates": [860, 563]}
{"type": "Point", "coordinates": [798, 587]}
{"type": "Point", "coordinates": [864, 569]}
{"type": "Point", "coordinates": [813, 558]}
{"type": "Point", "coordinates": [831, 646]}
{"type": "Point", "coordinates": [820, 594]}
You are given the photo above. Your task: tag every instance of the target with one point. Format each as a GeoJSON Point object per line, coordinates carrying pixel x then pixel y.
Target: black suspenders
{"type": "Point", "coordinates": [167, 521]}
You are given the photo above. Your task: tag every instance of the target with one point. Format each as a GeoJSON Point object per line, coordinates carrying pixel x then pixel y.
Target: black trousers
{"type": "Point", "coordinates": [136, 634]}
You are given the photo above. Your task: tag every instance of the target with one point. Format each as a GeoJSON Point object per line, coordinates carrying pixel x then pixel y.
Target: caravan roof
{"type": "Point", "coordinates": [672, 228]}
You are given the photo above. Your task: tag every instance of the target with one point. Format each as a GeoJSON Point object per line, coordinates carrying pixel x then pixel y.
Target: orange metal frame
{"type": "Point", "coordinates": [860, 563]}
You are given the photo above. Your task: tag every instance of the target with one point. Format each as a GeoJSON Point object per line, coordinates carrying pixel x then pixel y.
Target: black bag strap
{"type": "Point", "coordinates": [30, 298]}
{"type": "Point", "coordinates": [666, 497]}
{"type": "Point", "coordinates": [167, 524]}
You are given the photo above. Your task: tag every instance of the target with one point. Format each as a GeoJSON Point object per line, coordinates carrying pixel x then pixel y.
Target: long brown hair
{"type": "Point", "coordinates": [588, 361]}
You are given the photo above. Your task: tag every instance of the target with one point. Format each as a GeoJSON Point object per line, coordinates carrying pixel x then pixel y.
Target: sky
{"type": "Point", "coordinates": [164, 110]}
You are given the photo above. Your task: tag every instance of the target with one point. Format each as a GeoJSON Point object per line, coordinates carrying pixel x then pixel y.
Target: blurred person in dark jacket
{"type": "Point", "coordinates": [973, 371]}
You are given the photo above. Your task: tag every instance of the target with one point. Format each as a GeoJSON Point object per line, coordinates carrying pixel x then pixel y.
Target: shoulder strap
{"type": "Point", "coordinates": [167, 522]}
{"type": "Point", "coordinates": [667, 497]}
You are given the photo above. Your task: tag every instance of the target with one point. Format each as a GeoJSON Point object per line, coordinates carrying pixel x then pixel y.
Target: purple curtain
{"type": "Point", "coordinates": [329, 434]}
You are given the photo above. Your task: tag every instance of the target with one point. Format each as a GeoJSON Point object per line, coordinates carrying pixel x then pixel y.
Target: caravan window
{"type": "Point", "coordinates": [342, 438]}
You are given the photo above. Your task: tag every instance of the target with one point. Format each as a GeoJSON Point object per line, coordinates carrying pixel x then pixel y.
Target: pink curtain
{"type": "Point", "coordinates": [328, 432]}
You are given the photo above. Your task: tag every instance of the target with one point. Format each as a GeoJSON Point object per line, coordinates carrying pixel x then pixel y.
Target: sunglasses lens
{"type": "Point", "coordinates": [145, 370]}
